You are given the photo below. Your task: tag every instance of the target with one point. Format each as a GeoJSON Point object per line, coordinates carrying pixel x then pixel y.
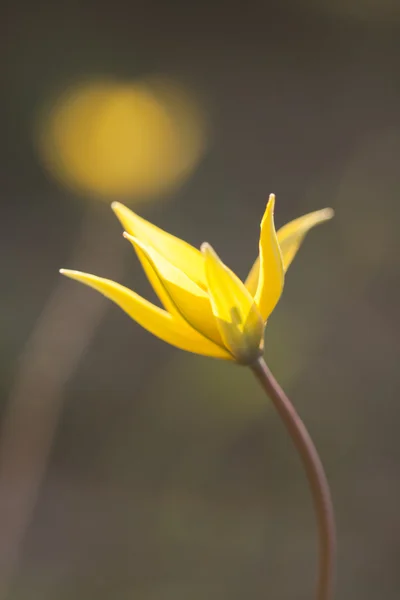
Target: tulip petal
{"type": "Point", "coordinates": [271, 273]}
{"type": "Point", "coordinates": [178, 252]}
{"type": "Point", "coordinates": [179, 294]}
{"type": "Point", "coordinates": [239, 321]}
{"type": "Point", "coordinates": [290, 238]}
{"type": "Point", "coordinates": [160, 323]}
{"type": "Point", "coordinates": [291, 235]}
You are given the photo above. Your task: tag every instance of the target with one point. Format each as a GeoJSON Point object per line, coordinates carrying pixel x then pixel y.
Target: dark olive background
{"type": "Point", "coordinates": [169, 476]}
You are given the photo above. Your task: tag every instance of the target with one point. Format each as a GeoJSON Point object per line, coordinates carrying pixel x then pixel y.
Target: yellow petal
{"type": "Point", "coordinates": [179, 253]}
{"type": "Point", "coordinates": [251, 282]}
{"type": "Point", "coordinates": [290, 238]}
{"type": "Point", "coordinates": [239, 321]}
{"type": "Point", "coordinates": [161, 324]}
{"type": "Point", "coordinates": [179, 294]}
{"type": "Point", "coordinates": [271, 273]}
{"type": "Point", "coordinates": [291, 235]}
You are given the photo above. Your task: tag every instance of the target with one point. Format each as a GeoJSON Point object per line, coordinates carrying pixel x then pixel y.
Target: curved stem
{"type": "Point", "coordinates": [315, 473]}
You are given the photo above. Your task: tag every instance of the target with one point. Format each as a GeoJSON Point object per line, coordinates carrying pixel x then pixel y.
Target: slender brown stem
{"type": "Point", "coordinates": [315, 473]}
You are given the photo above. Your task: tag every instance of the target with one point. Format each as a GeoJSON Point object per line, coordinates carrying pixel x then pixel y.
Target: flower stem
{"type": "Point", "coordinates": [315, 472]}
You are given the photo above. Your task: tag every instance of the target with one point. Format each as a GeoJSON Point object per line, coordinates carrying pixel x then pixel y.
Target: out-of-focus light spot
{"type": "Point", "coordinates": [127, 140]}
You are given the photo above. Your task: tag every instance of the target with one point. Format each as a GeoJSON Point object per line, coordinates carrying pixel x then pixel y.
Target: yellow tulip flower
{"type": "Point", "coordinates": [207, 308]}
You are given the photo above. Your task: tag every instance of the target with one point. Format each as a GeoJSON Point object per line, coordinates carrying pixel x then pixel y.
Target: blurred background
{"type": "Point", "coordinates": [129, 469]}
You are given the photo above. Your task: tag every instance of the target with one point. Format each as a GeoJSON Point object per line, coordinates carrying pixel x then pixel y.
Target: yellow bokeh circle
{"type": "Point", "coordinates": [130, 140]}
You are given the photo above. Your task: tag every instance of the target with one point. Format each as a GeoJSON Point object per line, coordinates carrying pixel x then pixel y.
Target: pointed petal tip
{"type": "Point", "coordinates": [327, 213]}
{"type": "Point", "coordinates": [136, 242]}
{"type": "Point", "coordinates": [116, 206]}
{"type": "Point", "coordinates": [121, 211]}
{"type": "Point", "coordinates": [208, 252]}
{"type": "Point", "coordinates": [76, 275]}
{"type": "Point", "coordinates": [72, 273]}
{"type": "Point", "coordinates": [269, 209]}
{"type": "Point", "coordinates": [205, 247]}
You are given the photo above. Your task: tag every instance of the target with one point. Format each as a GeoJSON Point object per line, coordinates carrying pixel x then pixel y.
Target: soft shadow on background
{"type": "Point", "coordinates": [129, 469]}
